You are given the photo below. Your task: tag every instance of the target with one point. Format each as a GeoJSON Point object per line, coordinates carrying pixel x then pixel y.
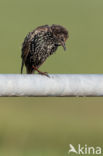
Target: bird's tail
{"type": "Point", "coordinates": [22, 65]}
{"type": "Point", "coordinates": [29, 70]}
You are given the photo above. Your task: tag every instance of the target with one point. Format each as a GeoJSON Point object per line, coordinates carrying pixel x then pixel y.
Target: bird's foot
{"type": "Point", "coordinates": [44, 73]}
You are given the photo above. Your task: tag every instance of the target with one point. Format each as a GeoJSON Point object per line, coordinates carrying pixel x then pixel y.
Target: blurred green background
{"type": "Point", "coordinates": [46, 126]}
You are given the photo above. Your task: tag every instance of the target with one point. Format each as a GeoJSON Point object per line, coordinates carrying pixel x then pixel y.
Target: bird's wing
{"type": "Point", "coordinates": [44, 28]}
{"type": "Point", "coordinates": [25, 50]}
{"type": "Point", "coordinates": [29, 37]}
{"type": "Point", "coordinates": [26, 47]}
{"type": "Point", "coordinates": [28, 41]}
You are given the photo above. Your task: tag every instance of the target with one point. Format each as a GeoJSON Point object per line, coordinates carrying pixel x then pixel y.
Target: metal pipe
{"type": "Point", "coordinates": [56, 85]}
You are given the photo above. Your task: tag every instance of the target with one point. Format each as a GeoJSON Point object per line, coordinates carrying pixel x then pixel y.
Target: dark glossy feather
{"type": "Point", "coordinates": [39, 45]}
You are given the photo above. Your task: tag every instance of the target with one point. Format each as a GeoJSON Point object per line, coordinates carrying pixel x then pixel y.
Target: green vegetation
{"type": "Point", "coordinates": [46, 126]}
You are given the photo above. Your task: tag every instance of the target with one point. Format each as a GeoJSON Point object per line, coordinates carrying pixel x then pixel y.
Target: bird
{"type": "Point", "coordinates": [39, 44]}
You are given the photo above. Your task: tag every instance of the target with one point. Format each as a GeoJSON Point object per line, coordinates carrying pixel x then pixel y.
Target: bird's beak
{"type": "Point", "coordinates": [63, 45]}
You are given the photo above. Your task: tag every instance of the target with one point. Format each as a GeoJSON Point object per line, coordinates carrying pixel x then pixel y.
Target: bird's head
{"type": "Point", "coordinates": [60, 34]}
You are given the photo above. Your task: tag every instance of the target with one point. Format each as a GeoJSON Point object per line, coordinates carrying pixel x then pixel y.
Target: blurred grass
{"type": "Point", "coordinates": [46, 126]}
{"type": "Point", "coordinates": [83, 19]}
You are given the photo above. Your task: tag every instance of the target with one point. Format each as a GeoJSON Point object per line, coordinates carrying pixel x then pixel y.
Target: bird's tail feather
{"type": "Point", "coordinates": [29, 70]}
{"type": "Point", "coordinates": [22, 65]}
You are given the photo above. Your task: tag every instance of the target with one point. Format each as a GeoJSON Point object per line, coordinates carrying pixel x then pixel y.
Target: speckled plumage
{"type": "Point", "coordinates": [41, 43]}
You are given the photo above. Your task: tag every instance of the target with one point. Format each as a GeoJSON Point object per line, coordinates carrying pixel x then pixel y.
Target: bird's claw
{"type": "Point", "coordinates": [44, 73]}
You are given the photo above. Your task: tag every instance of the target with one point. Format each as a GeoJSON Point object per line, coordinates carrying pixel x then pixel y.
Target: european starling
{"type": "Point", "coordinates": [41, 43]}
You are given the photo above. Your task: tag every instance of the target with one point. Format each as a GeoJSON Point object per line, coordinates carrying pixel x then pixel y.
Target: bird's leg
{"type": "Point", "coordinates": [42, 73]}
